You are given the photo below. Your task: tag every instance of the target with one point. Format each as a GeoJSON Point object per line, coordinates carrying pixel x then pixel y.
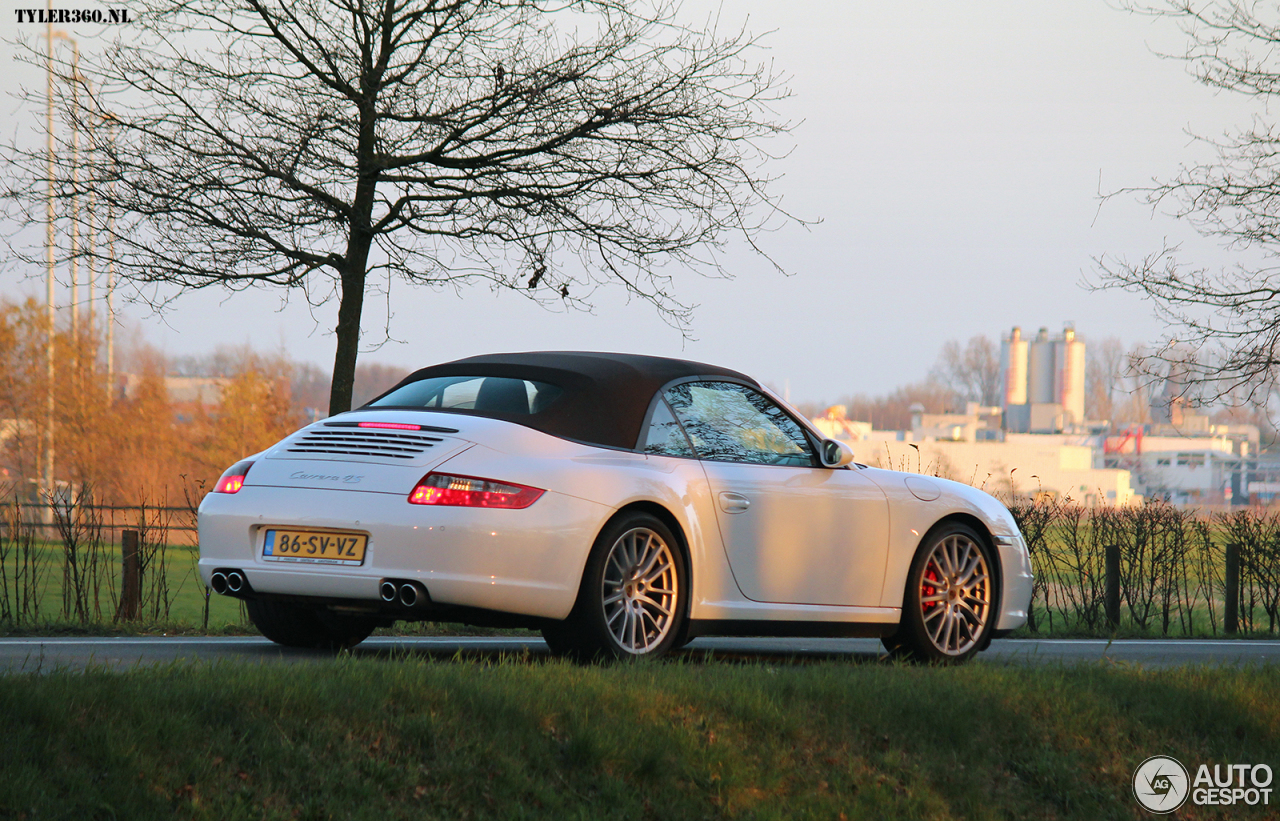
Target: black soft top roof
{"type": "Point", "coordinates": [606, 395]}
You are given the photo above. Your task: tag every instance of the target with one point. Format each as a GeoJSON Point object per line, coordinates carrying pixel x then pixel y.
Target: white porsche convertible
{"type": "Point", "coordinates": [621, 504]}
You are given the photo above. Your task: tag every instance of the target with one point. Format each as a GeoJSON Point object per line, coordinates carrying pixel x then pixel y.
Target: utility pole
{"type": "Point", "coordinates": [47, 478]}
{"type": "Point", "coordinates": [111, 264]}
{"type": "Point", "coordinates": [50, 240]}
{"type": "Point", "coordinates": [75, 201]}
{"type": "Point", "coordinates": [91, 230]}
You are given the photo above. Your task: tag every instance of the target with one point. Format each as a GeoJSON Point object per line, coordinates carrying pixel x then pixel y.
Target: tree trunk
{"type": "Point", "coordinates": [355, 267]}
{"type": "Point", "coordinates": [350, 307]}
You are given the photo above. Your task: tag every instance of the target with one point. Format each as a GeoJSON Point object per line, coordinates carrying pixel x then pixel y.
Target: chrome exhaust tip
{"type": "Point", "coordinates": [235, 581]}
{"type": "Point", "coordinates": [218, 582]}
{"type": "Point", "coordinates": [408, 595]}
{"type": "Point", "coordinates": [387, 590]}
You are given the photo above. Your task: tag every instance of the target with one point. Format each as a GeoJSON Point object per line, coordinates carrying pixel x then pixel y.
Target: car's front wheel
{"type": "Point", "coordinates": [948, 607]}
{"type": "Point", "coordinates": [633, 600]}
{"type": "Point", "coordinates": [298, 625]}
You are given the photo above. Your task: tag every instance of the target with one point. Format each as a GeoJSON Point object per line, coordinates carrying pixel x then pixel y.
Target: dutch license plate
{"type": "Point", "coordinates": [313, 547]}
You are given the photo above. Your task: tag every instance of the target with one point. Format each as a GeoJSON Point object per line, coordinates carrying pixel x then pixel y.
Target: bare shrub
{"type": "Point", "coordinates": [87, 573]}
{"type": "Point", "coordinates": [1172, 565]}
{"type": "Point", "coordinates": [1257, 537]}
{"type": "Point", "coordinates": [193, 491]}
{"type": "Point", "coordinates": [153, 524]}
{"type": "Point", "coordinates": [1034, 519]}
{"type": "Point", "coordinates": [23, 567]}
{"type": "Point", "coordinates": [1077, 566]}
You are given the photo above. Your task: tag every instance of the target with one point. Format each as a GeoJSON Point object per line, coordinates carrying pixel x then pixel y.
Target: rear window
{"type": "Point", "coordinates": [483, 394]}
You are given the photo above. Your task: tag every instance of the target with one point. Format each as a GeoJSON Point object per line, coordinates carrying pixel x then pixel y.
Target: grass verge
{"type": "Point", "coordinates": [410, 737]}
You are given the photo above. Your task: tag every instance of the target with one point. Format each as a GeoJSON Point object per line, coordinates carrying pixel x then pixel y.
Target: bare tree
{"type": "Point", "coordinates": [1224, 337]}
{"type": "Point", "coordinates": [1105, 369]}
{"type": "Point", "coordinates": [1241, 414]}
{"type": "Point", "coordinates": [972, 372]}
{"type": "Point", "coordinates": [1116, 388]}
{"type": "Point", "coordinates": [893, 411]}
{"type": "Point", "coordinates": [336, 146]}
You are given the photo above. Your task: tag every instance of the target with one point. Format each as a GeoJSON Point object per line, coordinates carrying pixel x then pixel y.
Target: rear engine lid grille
{"type": "Point", "coordinates": [389, 444]}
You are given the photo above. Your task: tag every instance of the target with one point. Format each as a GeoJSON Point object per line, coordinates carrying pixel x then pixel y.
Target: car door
{"type": "Point", "coordinates": [795, 532]}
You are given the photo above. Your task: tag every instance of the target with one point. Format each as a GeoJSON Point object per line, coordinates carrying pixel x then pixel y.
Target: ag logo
{"type": "Point", "coordinates": [1161, 784]}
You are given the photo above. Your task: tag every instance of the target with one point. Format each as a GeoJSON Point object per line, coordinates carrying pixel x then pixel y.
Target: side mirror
{"type": "Point", "coordinates": [835, 454]}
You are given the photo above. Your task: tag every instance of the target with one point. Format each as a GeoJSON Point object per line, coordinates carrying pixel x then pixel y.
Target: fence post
{"type": "Point", "coordinates": [131, 581]}
{"type": "Point", "coordinates": [1231, 585]}
{"type": "Point", "coordinates": [1111, 600]}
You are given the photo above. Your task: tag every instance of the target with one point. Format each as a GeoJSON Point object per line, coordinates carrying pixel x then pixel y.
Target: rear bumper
{"type": "Point", "coordinates": [527, 562]}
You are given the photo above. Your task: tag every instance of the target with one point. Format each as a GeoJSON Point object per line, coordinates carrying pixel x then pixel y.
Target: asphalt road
{"type": "Point", "coordinates": [19, 655]}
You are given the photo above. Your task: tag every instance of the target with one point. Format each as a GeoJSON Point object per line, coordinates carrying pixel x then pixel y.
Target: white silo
{"type": "Point", "coordinates": [1013, 368]}
{"type": "Point", "coordinates": [1040, 370]}
{"type": "Point", "coordinates": [1069, 369]}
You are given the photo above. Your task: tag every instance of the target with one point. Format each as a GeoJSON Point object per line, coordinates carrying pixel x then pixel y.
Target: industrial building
{"type": "Point", "coordinates": [1038, 441]}
{"type": "Point", "coordinates": [1043, 382]}
{"type": "Point", "coordinates": [1218, 466]}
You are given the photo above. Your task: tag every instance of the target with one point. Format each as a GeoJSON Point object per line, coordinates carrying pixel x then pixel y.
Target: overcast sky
{"type": "Point", "coordinates": [953, 151]}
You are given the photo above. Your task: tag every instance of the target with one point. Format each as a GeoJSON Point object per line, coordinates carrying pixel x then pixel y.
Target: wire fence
{"type": "Point", "coordinates": [1153, 569]}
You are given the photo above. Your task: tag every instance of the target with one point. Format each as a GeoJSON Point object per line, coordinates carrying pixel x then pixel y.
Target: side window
{"type": "Point", "coordinates": [728, 422]}
{"type": "Point", "coordinates": [458, 394]}
{"type": "Point", "coordinates": [664, 436]}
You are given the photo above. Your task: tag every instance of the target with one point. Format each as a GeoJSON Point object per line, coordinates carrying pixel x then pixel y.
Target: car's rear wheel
{"type": "Point", "coordinates": [299, 625]}
{"type": "Point", "coordinates": [633, 600]}
{"type": "Point", "coordinates": [948, 609]}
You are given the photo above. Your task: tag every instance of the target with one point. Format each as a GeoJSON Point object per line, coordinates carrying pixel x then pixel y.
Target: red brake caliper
{"type": "Point", "coordinates": [927, 588]}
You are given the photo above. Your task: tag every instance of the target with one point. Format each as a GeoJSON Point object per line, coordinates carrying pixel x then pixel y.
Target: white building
{"type": "Point", "coordinates": [1199, 464]}
{"type": "Point", "coordinates": [15, 429]}
{"type": "Point", "coordinates": [202, 390]}
{"type": "Point", "coordinates": [971, 448]}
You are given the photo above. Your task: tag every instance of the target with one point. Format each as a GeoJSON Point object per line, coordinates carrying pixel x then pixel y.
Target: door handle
{"type": "Point", "coordinates": [733, 502]}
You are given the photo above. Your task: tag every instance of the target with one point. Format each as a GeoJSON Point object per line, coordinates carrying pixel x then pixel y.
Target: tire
{"type": "Point", "coordinates": [634, 598]}
{"type": "Point", "coordinates": [297, 625]}
{"type": "Point", "coordinates": [949, 606]}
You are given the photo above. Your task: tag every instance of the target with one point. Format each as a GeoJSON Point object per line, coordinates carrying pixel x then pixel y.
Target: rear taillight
{"type": "Point", "coordinates": [471, 491]}
{"type": "Point", "coordinates": [233, 479]}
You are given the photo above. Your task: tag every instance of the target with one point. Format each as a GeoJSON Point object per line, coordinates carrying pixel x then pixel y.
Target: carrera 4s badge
{"type": "Point", "coordinates": [350, 478]}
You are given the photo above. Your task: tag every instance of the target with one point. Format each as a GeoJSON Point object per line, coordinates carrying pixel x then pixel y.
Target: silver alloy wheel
{"type": "Point", "coordinates": [955, 595]}
{"type": "Point", "coordinates": [639, 590]}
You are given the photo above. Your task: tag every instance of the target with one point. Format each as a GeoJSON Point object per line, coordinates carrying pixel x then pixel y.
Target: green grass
{"type": "Point", "coordinates": [409, 737]}
{"type": "Point", "coordinates": [1127, 630]}
{"type": "Point", "coordinates": [1066, 624]}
